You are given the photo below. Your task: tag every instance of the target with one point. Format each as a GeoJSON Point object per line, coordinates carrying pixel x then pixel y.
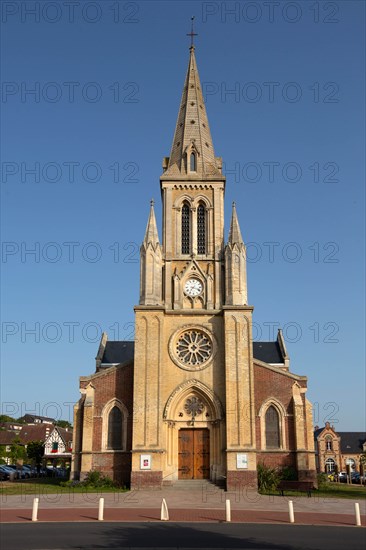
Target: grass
{"type": "Point", "coordinates": [329, 490]}
{"type": "Point", "coordinates": [49, 486]}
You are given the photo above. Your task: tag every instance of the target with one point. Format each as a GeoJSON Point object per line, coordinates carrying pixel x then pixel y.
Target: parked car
{"type": "Point", "coordinates": [342, 477]}
{"type": "Point", "coordinates": [4, 474]}
{"type": "Point", "coordinates": [355, 477]}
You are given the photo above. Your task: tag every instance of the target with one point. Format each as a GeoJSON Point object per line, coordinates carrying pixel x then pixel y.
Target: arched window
{"type": "Point", "coordinates": [272, 428]}
{"type": "Point", "coordinates": [186, 229]}
{"type": "Point", "coordinates": [330, 465]}
{"type": "Point", "coordinates": [115, 429]}
{"type": "Point", "coordinates": [328, 443]}
{"type": "Point", "coordinates": [193, 163]}
{"type": "Point", "coordinates": [201, 229]}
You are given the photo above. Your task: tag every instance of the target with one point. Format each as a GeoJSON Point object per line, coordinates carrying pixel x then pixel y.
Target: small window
{"type": "Point", "coordinates": [328, 443]}
{"type": "Point", "coordinates": [272, 428]}
{"type": "Point", "coordinates": [54, 446]}
{"type": "Point", "coordinates": [193, 163]}
{"type": "Point", "coordinates": [115, 429]}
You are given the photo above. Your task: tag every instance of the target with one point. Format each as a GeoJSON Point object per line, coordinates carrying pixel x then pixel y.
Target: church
{"type": "Point", "coordinates": [193, 397]}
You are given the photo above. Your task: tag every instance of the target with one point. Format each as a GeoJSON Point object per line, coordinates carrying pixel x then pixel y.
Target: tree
{"type": "Point", "coordinates": [63, 424]}
{"type": "Point", "coordinates": [17, 451]}
{"type": "Point", "coordinates": [6, 418]}
{"type": "Point", "coordinates": [35, 451]}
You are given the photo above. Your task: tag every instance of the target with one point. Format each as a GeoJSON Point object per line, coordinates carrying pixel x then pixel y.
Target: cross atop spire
{"type": "Point", "coordinates": [192, 33]}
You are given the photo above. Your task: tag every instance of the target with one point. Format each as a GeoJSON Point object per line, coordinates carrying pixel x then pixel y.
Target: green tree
{"type": "Point", "coordinates": [63, 424]}
{"type": "Point", "coordinates": [6, 418]}
{"type": "Point", "coordinates": [35, 451]}
{"type": "Point", "coordinates": [17, 451]}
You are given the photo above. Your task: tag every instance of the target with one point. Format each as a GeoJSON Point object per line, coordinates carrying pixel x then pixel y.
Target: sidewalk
{"type": "Point", "coordinates": [188, 506]}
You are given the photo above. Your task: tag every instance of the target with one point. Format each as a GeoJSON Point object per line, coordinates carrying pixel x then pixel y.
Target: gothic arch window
{"type": "Point", "coordinates": [115, 429]}
{"type": "Point", "coordinates": [186, 229]}
{"type": "Point", "coordinates": [272, 423]}
{"type": "Point", "coordinates": [201, 229]}
{"type": "Point", "coordinates": [193, 162]}
{"type": "Point", "coordinates": [328, 443]}
{"type": "Point", "coordinates": [114, 426]}
{"type": "Point", "coordinates": [330, 465]}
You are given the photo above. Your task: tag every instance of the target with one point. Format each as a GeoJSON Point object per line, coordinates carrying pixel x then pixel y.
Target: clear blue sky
{"type": "Point", "coordinates": [107, 90]}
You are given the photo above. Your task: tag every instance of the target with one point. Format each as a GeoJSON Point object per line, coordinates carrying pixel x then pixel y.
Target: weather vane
{"type": "Point", "coordinates": [192, 33]}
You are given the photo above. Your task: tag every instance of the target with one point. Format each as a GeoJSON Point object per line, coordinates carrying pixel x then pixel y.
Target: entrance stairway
{"type": "Point", "coordinates": [197, 484]}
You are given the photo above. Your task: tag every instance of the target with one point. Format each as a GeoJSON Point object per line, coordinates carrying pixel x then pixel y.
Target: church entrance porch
{"type": "Point", "coordinates": [194, 453]}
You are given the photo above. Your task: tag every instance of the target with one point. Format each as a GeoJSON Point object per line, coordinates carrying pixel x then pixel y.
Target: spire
{"type": "Point", "coordinates": [151, 233]}
{"type": "Point", "coordinates": [235, 234]}
{"type": "Point", "coordinates": [192, 133]}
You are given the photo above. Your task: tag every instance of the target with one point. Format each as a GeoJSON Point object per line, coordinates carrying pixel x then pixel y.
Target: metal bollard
{"type": "Point", "coordinates": [35, 509]}
{"type": "Point", "coordinates": [101, 509]}
{"type": "Point", "coordinates": [291, 511]}
{"type": "Point", "coordinates": [228, 510]}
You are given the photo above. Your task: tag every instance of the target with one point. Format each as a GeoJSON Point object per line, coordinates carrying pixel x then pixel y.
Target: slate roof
{"type": "Point", "coordinates": [117, 352]}
{"type": "Point", "coordinates": [351, 442]}
{"type": "Point", "coordinates": [269, 352]}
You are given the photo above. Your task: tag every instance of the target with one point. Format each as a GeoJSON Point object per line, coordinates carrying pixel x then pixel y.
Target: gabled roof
{"type": "Point", "coordinates": [352, 442]}
{"type": "Point", "coordinates": [36, 432]}
{"type": "Point", "coordinates": [66, 435]}
{"type": "Point", "coordinates": [268, 352]}
{"type": "Point", "coordinates": [117, 352]}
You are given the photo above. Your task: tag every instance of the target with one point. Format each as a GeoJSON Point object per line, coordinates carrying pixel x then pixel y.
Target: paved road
{"type": "Point", "coordinates": [108, 536]}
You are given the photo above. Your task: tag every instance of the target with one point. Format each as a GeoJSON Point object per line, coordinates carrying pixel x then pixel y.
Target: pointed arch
{"type": "Point", "coordinates": [186, 388]}
{"type": "Point", "coordinates": [186, 229]}
{"type": "Point", "coordinates": [201, 228]}
{"type": "Point", "coordinates": [114, 426]}
{"type": "Point", "coordinates": [272, 416]}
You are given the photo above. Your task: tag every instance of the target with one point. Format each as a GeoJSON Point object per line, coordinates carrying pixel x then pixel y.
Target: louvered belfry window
{"type": "Point", "coordinates": [115, 429]}
{"type": "Point", "coordinates": [186, 229]}
{"type": "Point", "coordinates": [201, 230]}
{"type": "Point", "coordinates": [272, 428]}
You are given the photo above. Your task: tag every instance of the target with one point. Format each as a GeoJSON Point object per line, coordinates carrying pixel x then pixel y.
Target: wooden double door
{"type": "Point", "coordinates": [194, 453]}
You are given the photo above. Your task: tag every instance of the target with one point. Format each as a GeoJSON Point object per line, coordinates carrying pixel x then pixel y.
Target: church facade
{"type": "Point", "coordinates": [193, 397]}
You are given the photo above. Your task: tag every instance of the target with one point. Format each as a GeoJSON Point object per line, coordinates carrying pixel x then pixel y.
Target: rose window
{"type": "Point", "coordinates": [193, 348]}
{"type": "Point", "coordinates": [194, 406]}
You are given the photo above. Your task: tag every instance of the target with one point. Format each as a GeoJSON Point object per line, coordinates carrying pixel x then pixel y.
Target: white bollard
{"type": "Point", "coordinates": [291, 511]}
{"type": "Point", "coordinates": [101, 509]}
{"type": "Point", "coordinates": [35, 509]}
{"type": "Point", "coordinates": [228, 510]}
{"type": "Point", "coordinates": [358, 515]}
{"type": "Point", "coordinates": [164, 514]}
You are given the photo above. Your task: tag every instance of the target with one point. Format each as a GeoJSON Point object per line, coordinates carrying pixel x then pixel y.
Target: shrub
{"type": "Point", "coordinates": [95, 479]}
{"type": "Point", "coordinates": [268, 478]}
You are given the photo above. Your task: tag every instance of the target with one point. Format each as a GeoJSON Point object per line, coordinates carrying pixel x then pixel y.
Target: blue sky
{"type": "Point", "coordinates": [284, 88]}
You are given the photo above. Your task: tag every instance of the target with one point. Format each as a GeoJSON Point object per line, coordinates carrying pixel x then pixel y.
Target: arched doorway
{"type": "Point", "coordinates": [193, 417]}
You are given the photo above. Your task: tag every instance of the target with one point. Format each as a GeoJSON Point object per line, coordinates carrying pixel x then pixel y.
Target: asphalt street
{"type": "Point", "coordinates": [103, 536]}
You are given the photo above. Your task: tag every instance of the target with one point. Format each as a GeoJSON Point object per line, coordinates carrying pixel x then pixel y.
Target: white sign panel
{"type": "Point", "coordinates": [145, 462]}
{"type": "Point", "coordinates": [241, 461]}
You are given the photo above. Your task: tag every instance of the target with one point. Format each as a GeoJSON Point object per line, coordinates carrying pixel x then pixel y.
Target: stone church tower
{"type": "Point", "coordinates": [194, 397]}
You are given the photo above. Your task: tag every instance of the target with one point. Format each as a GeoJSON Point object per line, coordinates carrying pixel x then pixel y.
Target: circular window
{"type": "Point", "coordinates": [191, 349]}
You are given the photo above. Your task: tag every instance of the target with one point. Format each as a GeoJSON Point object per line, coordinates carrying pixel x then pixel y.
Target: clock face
{"type": "Point", "coordinates": [193, 287]}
